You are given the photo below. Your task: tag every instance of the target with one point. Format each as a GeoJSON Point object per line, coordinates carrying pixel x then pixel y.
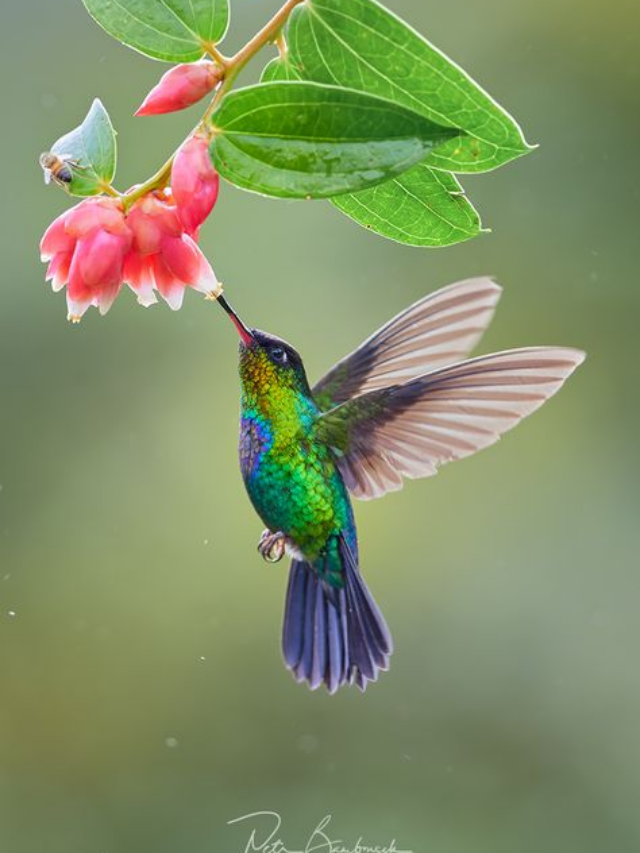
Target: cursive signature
{"type": "Point", "coordinates": [265, 837]}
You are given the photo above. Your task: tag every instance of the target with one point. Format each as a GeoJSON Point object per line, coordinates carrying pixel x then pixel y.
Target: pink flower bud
{"type": "Point", "coordinates": [194, 183]}
{"type": "Point", "coordinates": [180, 87]}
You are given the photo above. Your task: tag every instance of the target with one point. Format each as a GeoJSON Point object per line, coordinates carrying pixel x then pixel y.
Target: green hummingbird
{"type": "Point", "coordinates": [401, 405]}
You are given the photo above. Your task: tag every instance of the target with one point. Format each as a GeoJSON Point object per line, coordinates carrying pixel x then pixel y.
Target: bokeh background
{"type": "Point", "coordinates": [144, 703]}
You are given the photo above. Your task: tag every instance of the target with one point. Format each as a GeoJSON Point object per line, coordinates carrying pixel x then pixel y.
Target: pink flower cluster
{"type": "Point", "coordinates": [97, 246]}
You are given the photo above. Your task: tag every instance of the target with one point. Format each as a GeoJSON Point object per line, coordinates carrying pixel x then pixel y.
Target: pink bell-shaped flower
{"type": "Point", "coordinates": [163, 257]}
{"type": "Point", "coordinates": [194, 183]}
{"type": "Point", "coordinates": [86, 248]}
{"type": "Point", "coordinates": [180, 87]}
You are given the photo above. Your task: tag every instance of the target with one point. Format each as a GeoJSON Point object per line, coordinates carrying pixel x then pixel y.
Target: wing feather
{"type": "Point", "coordinates": [411, 429]}
{"type": "Point", "coordinates": [439, 329]}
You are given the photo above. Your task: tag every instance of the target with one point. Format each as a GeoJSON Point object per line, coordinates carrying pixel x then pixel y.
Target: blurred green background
{"type": "Point", "coordinates": [144, 703]}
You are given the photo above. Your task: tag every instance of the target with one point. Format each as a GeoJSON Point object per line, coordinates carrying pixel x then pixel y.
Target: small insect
{"type": "Point", "coordinates": [58, 167]}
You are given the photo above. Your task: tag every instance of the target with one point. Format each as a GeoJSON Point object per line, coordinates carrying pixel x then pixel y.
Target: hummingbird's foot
{"type": "Point", "coordinates": [272, 546]}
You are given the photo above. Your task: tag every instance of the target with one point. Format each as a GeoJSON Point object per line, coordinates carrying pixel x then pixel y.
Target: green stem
{"type": "Point", "coordinates": [231, 67]}
{"type": "Point", "coordinates": [108, 189]}
{"type": "Point", "coordinates": [267, 34]}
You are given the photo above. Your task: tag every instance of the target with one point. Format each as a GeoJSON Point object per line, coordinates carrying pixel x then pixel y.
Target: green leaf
{"type": "Point", "coordinates": [420, 207]}
{"type": "Point", "coordinates": [90, 152]}
{"type": "Point", "coordinates": [172, 30]}
{"type": "Point", "coordinates": [359, 44]}
{"type": "Point", "coordinates": [305, 140]}
{"type": "Point", "coordinates": [279, 70]}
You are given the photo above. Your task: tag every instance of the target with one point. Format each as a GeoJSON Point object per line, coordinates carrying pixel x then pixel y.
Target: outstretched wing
{"type": "Point", "coordinates": [409, 430]}
{"type": "Point", "coordinates": [440, 329]}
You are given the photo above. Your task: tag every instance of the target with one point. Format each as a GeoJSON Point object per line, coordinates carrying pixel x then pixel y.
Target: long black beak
{"type": "Point", "coordinates": [245, 333]}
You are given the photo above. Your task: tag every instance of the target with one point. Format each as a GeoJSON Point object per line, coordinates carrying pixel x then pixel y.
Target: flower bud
{"type": "Point", "coordinates": [180, 87]}
{"type": "Point", "coordinates": [194, 183]}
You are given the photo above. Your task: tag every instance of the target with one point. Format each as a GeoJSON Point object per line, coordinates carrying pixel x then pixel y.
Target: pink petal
{"type": "Point", "coordinates": [79, 296]}
{"type": "Point", "coordinates": [206, 282]}
{"type": "Point", "coordinates": [58, 270]}
{"type": "Point", "coordinates": [171, 289]}
{"type": "Point", "coordinates": [56, 238]}
{"type": "Point", "coordinates": [150, 219]}
{"type": "Point", "coordinates": [105, 213]}
{"type": "Point", "coordinates": [138, 274]}
{"type": "Point", "coordinates": [76, 285]}
{"type": "Point", "coordinates": [181, 258]}
{"type": "Point", "coordinates": [106, 297]}
{"type": "Point", "coordinates": [100, 258]}
{"type": "Point", "coordinates": [147, 232]}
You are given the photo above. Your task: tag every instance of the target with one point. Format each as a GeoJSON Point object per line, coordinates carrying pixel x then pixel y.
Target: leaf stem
{"type": "Point", "coordinates": [219, 58]}
{"type": "Point", "coordinates": [231, 67]}
{"type": "Point", "coordinates": [281, 43]}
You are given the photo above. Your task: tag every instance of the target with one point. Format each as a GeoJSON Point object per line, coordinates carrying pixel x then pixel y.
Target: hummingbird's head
{"type": "Point", "coordinates": [267, 362]}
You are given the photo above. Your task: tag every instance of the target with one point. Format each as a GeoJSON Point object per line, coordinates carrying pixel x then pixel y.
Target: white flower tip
{"type": "Point", "coordinates": [147, 299]}
{"type": "Point", "coordinates": [174, 298]}
{"type": "Point", "coordinates": [208, 284]}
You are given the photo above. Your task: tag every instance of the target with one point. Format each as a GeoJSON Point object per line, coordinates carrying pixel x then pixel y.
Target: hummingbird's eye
{"type": "Point", "coordinates": [278, 355]}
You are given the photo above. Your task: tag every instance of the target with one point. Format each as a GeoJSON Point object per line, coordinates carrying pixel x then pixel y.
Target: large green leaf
{"type": "Point", "coordinates": [90, 151]}
{"type": "Point", "coordinates": [173, 30]}
{"type": "Point", "coordinates": [306, 140]}
{"type": "Point", "coordinates": [420, 207]}
{"type": "Point", "coordinates": [359, 44]}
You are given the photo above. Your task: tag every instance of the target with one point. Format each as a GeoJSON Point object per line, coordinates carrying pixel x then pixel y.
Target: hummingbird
{"type": "Point", "coordinates": [405, 402]}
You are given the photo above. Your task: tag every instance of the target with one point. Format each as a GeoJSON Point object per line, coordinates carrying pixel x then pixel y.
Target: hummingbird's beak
{"type": "Point", "coordinates": [245, 333]}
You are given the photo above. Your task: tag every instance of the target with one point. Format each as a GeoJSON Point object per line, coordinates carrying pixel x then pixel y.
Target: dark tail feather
{"type": "Point", "coordinates": [333, 636]}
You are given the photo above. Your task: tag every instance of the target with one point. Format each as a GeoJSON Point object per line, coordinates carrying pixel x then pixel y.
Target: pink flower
{"type": "Point", "coordinates": [163, 256]}
{"type": "Point", "coordinates": [194, 183]}
{"type": "Point", "coordinates": [94, 248]}
{"type": "Point", "coordinates": [86, 248]}
{"type": "Point", "coordinates": [180, 87]}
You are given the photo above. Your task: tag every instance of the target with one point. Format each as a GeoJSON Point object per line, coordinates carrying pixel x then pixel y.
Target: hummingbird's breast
{"type": "Point", "coordinates": [292, 481]}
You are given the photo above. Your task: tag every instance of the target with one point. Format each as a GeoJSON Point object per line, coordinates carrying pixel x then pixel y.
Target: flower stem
{"type": "Point", "coordinates": [107, 189]}
{"type": "Point", "coordinates": [231, 67]}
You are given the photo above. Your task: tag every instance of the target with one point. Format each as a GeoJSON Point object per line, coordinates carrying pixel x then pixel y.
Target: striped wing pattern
{"type": "Point", "coordinates": [438, 330]}
{"type": "Point", "coordinates": [411, 429]}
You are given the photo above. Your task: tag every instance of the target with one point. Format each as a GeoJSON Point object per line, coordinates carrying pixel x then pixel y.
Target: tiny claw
{"type": "Point", "coordinates": [272, 546]}
{"type": "Point", "coordinates": [275, 554]}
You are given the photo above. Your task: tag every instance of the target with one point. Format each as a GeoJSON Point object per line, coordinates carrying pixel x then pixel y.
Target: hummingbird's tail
{"type": "Point", "coordinates": [333, 636]}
